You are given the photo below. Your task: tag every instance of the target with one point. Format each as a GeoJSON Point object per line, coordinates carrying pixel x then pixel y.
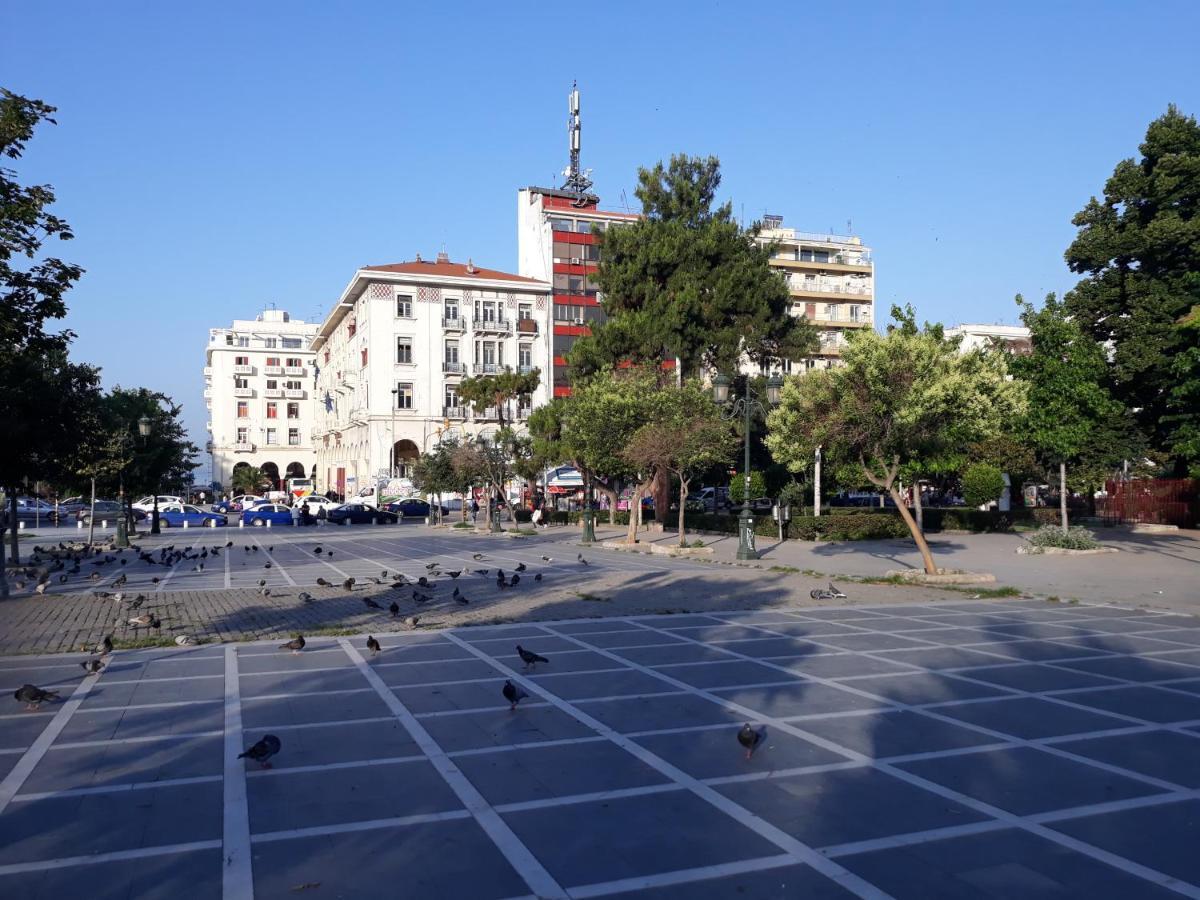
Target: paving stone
{"type": "Point", "coordinates": [923, 687]}
{"type": "Point", "coordinates": [501, 727]}
{"type": "Point", "coordinates": [728, 674]}
{"type": "Point", "coordinates": [195, 875]}
{"type": "Point", "coordinates": [884, 733]}
{"type": "Point", "coordinates": [776, 883]}
{"type": "Point", "coordinates": [653, 713]}
{"type": "Point", "coordinates": [112, 764]}
{"type": "Point", "coordinates": [1149, 703]}
{"type": "Point", "coordinates": [1169, 755]}
{"type": "Point", "coordinates": [1030, 717]}
{"type": "Point", "coordinates": [1163, 837]}
{"type": "Point", "coordinates": [1034, 677]}
{"type": "Point", "coordinates": [805, 699]}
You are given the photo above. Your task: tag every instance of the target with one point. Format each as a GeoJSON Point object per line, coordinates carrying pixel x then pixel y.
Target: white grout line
{"type": "Point", "coordinates": [351, 827]}
{"type": "Point", "coordinates": [108, 681]}
{"type": "Point", "coordinates": [145, 739]}
{"type": "Point", "coordinates": [595, 796]}
{"type": "Point", "coordinates": [117, 856]}
{"type": "Point", "coordinates": [237, 880]}
{"type": "Point", "coordinates": [327, 767]}
{"type": "Point", "coordinates": [514, 850]}
{"type": "Point", "coordinates": [891, 842]}
{"type": "Point", "coordinates": [133, 706]}
{"type": "Point", "coordinates": [531, 745]}
{"type": "Point", "coordinates": [118, 788]}
{"type": "Point", "coordinates": [274, 563]}
{"type": "Point", "coordinates": [684, 876]}
{"type": "Point", "coordinates": [797, 850]}
{"type": "Point", "coordinates": [340, 723]}
{"type": "Point", "coordinates": [295, 694]}
{"type": "Point", "coordinates": [227, 579]}
{"type": "Point", "coordinates": [26, 764]}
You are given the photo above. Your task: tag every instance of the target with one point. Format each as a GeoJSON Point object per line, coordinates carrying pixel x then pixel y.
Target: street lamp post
{"type": "Point", "coordinates": [144, 431]}
{"type": "Point", "coordinates": [589, 514]}
{"type": "Point", "coordinates": [744, 406]}
{"type": "Point", "coordinates": [122, 538]}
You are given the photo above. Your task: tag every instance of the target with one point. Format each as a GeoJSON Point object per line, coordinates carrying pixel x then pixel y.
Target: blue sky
{"type": "Point", "coordinates": [216, 158]}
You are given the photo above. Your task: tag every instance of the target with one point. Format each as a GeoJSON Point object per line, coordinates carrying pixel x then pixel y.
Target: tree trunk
{"type": "Point", "coordinates": [92, 516]}
{"type": "Point", "coordinates": [915, 531]}
{"type": "Point", "coordinates": [635, 511]}
{"type": "Point", "coordinates": [917, 508]}
{"type": "Point", "coordinates": [3, 565]}
{"type": "Point", "coordinates": [661, 490]}
{"type": "Point", "coordinates": [612, 501]}
{"type": "Point", "coordinates": [14, 528]}
{"type": "Point", "coordinates": [683, 492]}
{"type": "Point", "coordinates": [1062, 493]}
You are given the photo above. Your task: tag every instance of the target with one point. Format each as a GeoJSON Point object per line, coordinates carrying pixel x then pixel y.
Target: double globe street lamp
{"type": "Point", "coordinates": [144, 430]}
{"type": "Point", "coordinates": [744, 406]}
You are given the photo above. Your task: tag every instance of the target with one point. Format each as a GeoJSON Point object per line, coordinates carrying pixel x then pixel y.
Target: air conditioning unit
{"type": "Point", "coordinates": [575, 261]}
{"type": "Point", "coordinates": [579, 322]}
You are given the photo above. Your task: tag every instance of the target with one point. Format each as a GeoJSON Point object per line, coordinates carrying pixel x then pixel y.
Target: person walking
{"type": "Point", "coordinates": [474, 510]}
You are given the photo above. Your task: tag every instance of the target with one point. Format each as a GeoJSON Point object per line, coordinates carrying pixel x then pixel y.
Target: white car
{"type": "Point", "coordinates": [316, 504]}
{"type": "Point", "coordinates": [146, 504]}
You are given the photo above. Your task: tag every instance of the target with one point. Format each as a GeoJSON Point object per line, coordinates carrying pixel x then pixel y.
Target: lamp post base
{"type": "Point", "coordinates": [122, 538]}
{"type": "Point", "coordinates": [589, 526]}
{"type": "Point", "coordinates": [746, 549]}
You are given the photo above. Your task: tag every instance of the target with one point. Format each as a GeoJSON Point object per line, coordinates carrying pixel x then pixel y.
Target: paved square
{"type": "Point", "coordinates": [974, 749]}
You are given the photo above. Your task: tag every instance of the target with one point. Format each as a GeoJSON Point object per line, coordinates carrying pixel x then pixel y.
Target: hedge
{"type": "Point", "coordinates": [834, 527]}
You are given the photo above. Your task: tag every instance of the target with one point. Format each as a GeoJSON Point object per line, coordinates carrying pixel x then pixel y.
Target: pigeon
{"type": "Point", "coordinates": [305, 597]}
{"type": "Point", "coordinates": [62, 579]}
{"type": "Point", "coordinates": [184, 641]}
{"type": "Point", "coordinates": [394, 609]}
{"type": "Point", "coordinates": [373, 645]}
{"type": "Point", "coordinates": [423, 581]}
{"type": "Point", "coordinates": [323, 583]}
{"type": "Point", "coordinates": [146, 620]}
{"type": "Point", "coordinates": [383, 574]}
{"type": "Point", "coordinates": [155, 580]}
{"type": "Point", "coordinates": [520, 567]}
{"type": "Point", "coordinates": [455, 574]}
{"type": "Point", "coordinates": [317, 550]}
{"type": "Point", "coordinates": [837, 594]}
{"type": "Point", "coordinates": [118, 597]}
{"type": "Point", "coordinates": [477, 556]}
{"type": "Point", "coordinates": [295, 645]}
{"type": "Point", "coordinates": [547, 559]}
{"type": "Point", "coordinates": [515, 580]}
{"type": "Point", "coordinates": [537, 577]}
{"type": "Point", "coordinates": [267, 566]}
{"type": "Point", "coordinates": [137, 601]}
{"type": "Point", "coordinates": [513, 694]}
{"type": "Point", "coordinates": [459, 598]}
{"type": "Point", "coordinates": [419, 598]}
{"type": "Point", "coordinates": [329, 553]}
{"type": "Point", "coordinates": [371, 604]}
{"type": "Point", "coordinates": [262, 582]}
{"type": "Point", "coordinates": [820, 594]}
{"type": "Point", "coordinates": [582, 560]}
{"type": "Point", "coordinates": [411, 621]}
{"type": "Point", "coordinates": [92, 666]}
{"type": "Point", "coordinates": [749, 738]}
{"type": "Point", "coordinates": [482, 572]}
{"type": "Point", "coordinates": [265, 592]}
{"type": "Point", "coordinates": [529, 657]}
{"type": "Point", "coordinates": [431, 566]}
{"type": "Point", "coordinates": [120, 580]}
{"type": "Point", "coordinates": [263, 750]}
{"type": "Point", "coordinates": [271, 549]}
{"type": "Point", "coordinates": [33, 697]}
{"type": "Point", "coordinates": [105, 647]}
{"type": "Point", "coordinates": [348, 584]}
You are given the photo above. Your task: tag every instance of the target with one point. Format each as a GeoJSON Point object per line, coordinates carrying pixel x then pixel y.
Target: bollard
{"type": "Point", "coordinates": [78, 524]}
{"type": "Point", "coordinates": [104, 523]}
{"type": "Point", "coordinates": [268, 523]}
{"type": "Point", "coordinates": [185, 523]}
{"type": "Point", "coordinates": [21, 526]}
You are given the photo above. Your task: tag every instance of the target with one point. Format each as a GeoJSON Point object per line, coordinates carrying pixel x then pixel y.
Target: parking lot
{"type": "Point", "coordinates": [974, 749]}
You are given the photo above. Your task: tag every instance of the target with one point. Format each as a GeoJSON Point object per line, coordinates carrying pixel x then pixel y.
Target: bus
{"type": "Point", "coordinates": [298, 489]}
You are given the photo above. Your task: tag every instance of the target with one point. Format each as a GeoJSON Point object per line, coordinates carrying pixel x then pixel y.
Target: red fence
{"type": "Point", "coordinates": [1158, 501]}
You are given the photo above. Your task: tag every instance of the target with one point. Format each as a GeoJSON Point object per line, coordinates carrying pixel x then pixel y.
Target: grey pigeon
{"type": "Point", "coordinates": [305, 597]}
{"type": "Point", "coordinates": [92, 666]}
{"type": "Point", "coordinates": [317, 550]}
{"type": "Point", "coordinates": [263, 750]}
{"type": "Point", "coordinates": [373, 645]}
{"type": "Point", "coordinates": [371, 604]}
{"type": "Point", "coordinates": [547, 559]}
{"type": "Point", "coordinates": [295, 645]}
{"type": "Point", "coordinates": [477, 556]}
{"type": "Point", "coordinates": [537, 577]}
{"type": "Point", "coordinates": [529, 657]}
{"type": "Point", "coordinates": [515, 580]}
{"type": "Point", "coordinates": [520, 567]}
{"type": "Point", "coordinates": [33, 697]}
{"type": "Point", "coordinates": [411, 621]}
{"type": "Point", "coordinates": [837, 594]}
{"type": "Point", "coordinates": [348, 584]}
{"type": "Point", "coordinates": [323, 583]}
{"type": "Point", "coordinates": [394, 609]}
{"type": "Point", "coordinates": [584, 561]}
{"type": "Point", "coordinates": [105, 647]}
{"type": "Point", "coordinates": [513, 694]}
{"type": "Point", "coordinates": [749, 738]}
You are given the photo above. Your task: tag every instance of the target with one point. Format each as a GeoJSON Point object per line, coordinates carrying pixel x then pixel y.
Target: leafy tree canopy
{"type": "Point", "coordinates": [497, 391]}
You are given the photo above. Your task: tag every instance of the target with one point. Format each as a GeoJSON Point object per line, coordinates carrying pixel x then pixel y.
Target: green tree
{"type": "Point", "coordinates": [1139, 252]}
{"type": "Point", "coordinates": [498, 391]}
{"type": "Point", "coordinates": [470, 471]}
{"type": "Point", "coordinates": [688, 437]}
{"type": "Point", "coordinates": [906, 395]}
{"type": "Point", "coordinates": [434, 472]}
{"type": "Point", "coordinates": [1068, 401]}
{"type": "Point", "coordinates": [1183, 399]}
{"type": "Point", "coordinates": [43, 396]}
{"type": "Point", "coordinates": [247, 480]}
{"type": "Point", "coordinates": [737, 486]}
{"type": "Point", "coordinates": [686, 282]}
{"type": "Point", "coordinates": [981, 483]}
{"type": "Point", "coordinates": [553, 445]}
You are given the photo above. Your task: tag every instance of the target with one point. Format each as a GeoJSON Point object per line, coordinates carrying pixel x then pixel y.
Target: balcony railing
{"type": "Point", "coordinates": [452, 368]}
{"type": "Point", "coordinates": [295, 370]}
{"type": "Point", "coordinates": [243, 370]}
{"type": "Point", "coordinates": [524, 370]}
{"type": "Point", "coordinates": [491, 412]}
{"type": "Point", "coordinates": [451, 323]}
{"type": "Point", "coordinates": [243, 392]}
{"type": "Point", "coordinates": [523, 412]}
{"type": "Point", "coordinates": [485, 368]}
{"type": "Point", "coordinates": [454, 412]}
{"type": "Point", "coordinates": [499, 326]}
{"type": "Point", "coordinates": [527, 326]}
{"type": "Point", "coordinates": [293, 394]}
{"type": "Point", "coordinates": [273, 393]}
{"type": "Point", "coordinates": [829, 287]}
{"type": "Point", "coordinates": [272, 370]}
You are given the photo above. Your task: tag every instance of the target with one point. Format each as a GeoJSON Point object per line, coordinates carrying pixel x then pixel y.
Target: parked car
{"type": "Point", "coordinates": [360, 514]}
{"type": "Point", "coordinates": [34, 509]}
{"type": "Point", "coordinates": [147, 503]}
{"type": "Point", "coordinates": [318, 506]}
{"type": "Point", "coordinates": [712, 499]}
{"type": "Point", "coordinates": [275, 513]}
{"type": "Point", "coordinates": [413, 507]}
{"type": "Point", "coordinates": [173, 515]}
{"type": "Point", "coordinates": [235, 504]}
{"type": "Point", "coordinates": [107, 509]}
{"type": "Point", "coordinates": [72, 505]}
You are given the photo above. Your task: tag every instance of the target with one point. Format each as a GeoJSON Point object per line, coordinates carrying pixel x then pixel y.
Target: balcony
{"type": "Point", "coordinates": [452, 368]}
{"type": "Point", "coordinates": [485, 368]}
{"type": "Point", "coordinates": [527, 326]}
{"type": "Point", "coordinates": [208, 427]}
{"type": "Point", "coordinates": [273, 394]}
{"type": "Point", "coordinates": [493, 326]}
{"type": "Point", "coordinates": [831, 286]}
{"type": "Point", "coordinates": [243, 370]}
{"type": "Point", "coordinates": [295, 370]}
{"type": "Point", "coordinates": [524, 370]}
{"type": "Point", "coordinates": [293, 394]}
{"type": "Point", "coordinates": [208, 393]}
{"type": "Point", "coordinates": [454, 324]}
{"type": "Point", "coordinates": [491, 412]}
{"type": "Point", "coordinates": [523, 412]}
{"type": "Point", "coordinates": [454, 412]}
{"type": "Point", "coordinates": [243, 392]}
{"type": "Point", "coordinates": [272, 370]}
{"type": "Point", "coordinates": [208, 371]}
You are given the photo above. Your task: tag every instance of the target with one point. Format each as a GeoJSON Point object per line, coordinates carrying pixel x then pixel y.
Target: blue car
{"type": "Point", "coordinates": [275, 513]}
{"type": "Point", "coordinates": [173, 515]}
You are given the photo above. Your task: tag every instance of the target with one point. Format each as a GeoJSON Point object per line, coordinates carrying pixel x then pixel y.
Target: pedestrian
{"type": "Point", "coordinates": [474, 510]}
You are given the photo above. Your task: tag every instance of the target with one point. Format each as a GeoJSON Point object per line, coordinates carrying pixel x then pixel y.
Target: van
{"type": "Point", "coordinates": [714, 499]}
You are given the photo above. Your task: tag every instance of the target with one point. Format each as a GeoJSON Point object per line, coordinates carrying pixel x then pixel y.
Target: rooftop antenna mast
{"type": "Point", "coordinates": [577, 180]}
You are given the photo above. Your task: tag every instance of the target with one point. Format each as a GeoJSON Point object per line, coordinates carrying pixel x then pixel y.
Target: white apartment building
{"type": "Point", "coordinates": [1014, 338]}
{"type": "Point", "coordinates": [831, 278]}
{"type": "Point", "coordinates": [258, 389]}
{"type": "Point", "coordinates": [393, 351]}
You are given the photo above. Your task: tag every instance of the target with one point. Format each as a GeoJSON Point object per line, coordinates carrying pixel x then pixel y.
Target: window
{"type": "Point", "coordinates": [363, 354]}
{"type": "Point", "coordinates": [404, 306]}
{"type": "Point", "coordinates": [241, 382]}
{"type": "Point", "coordinates": [562, 251]}
{"type": "Point", "coordinates": [562, 225]}
{"type": "Point", "coordinates": [243, 435]}
{"type": "Point", "coordinates": [243, 409]}
{"type": "Point", "coordinates": [488, 354]}
{"type": "Point", "coordinates": [485, 311]}
{"type": "Point", "coordinates": [404, 395]}
{"type": "Point", "coordinates": [451, 352]}
{"type": "Point", "coordinates": [272, 435]}
{"type": "Point", "coordinates": [451, 396]}
{"type": "Point", "coordinates": [591, 253]}
{"type": "Point", "coordinates": [270, 343]}
{"type": "Point", "coordinates": [451, 309]}
{"type": "Point", "coordinates": [525, 311]}
{"type": "Point", "coordinates": [563, 343]}
{"type": "Point", "coordinates": [404, 350]}
{"type": "Point", "coordinates": [525, 356]}
{"type": "Point", "coordinates": [272, 360]}
{"type": "Point", "coordinates": [326, 357]}
{"type": "Point", "coordinates": [241, 360]}
{"type": "Point", "coordinates": [272, 384]}
{"type": "Point", "coordinates": [854, 313]}
{"type": "Point", "coordinates": [272, 410]}
{"type": "Point", "coordinates": [292, 343]}
{"type": "Point", "coordinates": [243, 342]}
{"type": "Point", "coordinates": [352, 328]}
{"type": "Point", "coordinates": [293, 437]}
{"type": "Point", "coordinates": [293, 386]}
{"type": "Point", "coordinates": [295, 362]}
{"type": "Point", "coordinates": [229, 340]}
{"type": "Point", "coordinates": [293, 410]}
{"type": "Point", "coordinates": [831, 312]}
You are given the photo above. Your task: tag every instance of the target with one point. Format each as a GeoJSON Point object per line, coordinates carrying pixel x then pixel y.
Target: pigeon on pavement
{"type": "Point", "coordinates": [33, 697]}
{"type": "Point", "coordinates": [371, 604]}
{"type": "Point", "coordinates": [92, 666]}
{"type": "Point", "coordinates": [529, 657]}
{"type": "Point", "coordinates": [263, 750]}
{"type": "Point", "coordinates": [305, 597]}
{"type": "Point", "coordinates": [317, 551]}
{"type": "Point", "coordinates": [520, 567]}
{"type": "Point", "coordinates": [749, 738]}
{"type": "Point", "coordinates": [513, 694]}
{"type": "Point", "coordinates": [547, 559]}
{"type": "Point", "coordinates": [394, 609]}
{"type": "Point", "coordinates": [837, 594]}
{"type": "Point", "coordinates": [372, 644]}
{"type": "Point", "coordinates": [515, 580]}
{"type": "Point", "coordinates": [582, 560]}
{"type": "Point", "coordinates": [454, 574]}
{"type": "Point", "coordinates": [348, 584]}
{"type": "Point", "coordinates": [477, 556]}
{"type": "Point", "coordinates": [537, 577]}
{"type": "Point", "coordinates": [323, 583]}
{"type": "Point", "coordinates": [295, 645]}
{"type": "Point", "coordinates": [105, 647]}
{"type": "Point", "coordinates": [411, 621]}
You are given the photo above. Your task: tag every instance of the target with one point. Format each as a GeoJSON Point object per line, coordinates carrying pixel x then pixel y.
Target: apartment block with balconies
{"type": "Point", "coordinates": [394, 350]}
{"type": "Point", "coordinates": [831, 279]}
{"type": "Point", "coordinates": [258, 378]}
